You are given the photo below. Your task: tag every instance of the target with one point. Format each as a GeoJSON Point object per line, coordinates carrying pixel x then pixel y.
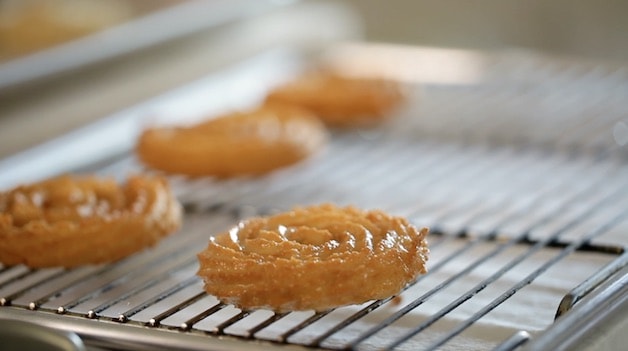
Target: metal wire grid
{"type": "Point", "coordinates": [158, 288]}
{"type": "Point", "coordinates": [520, 205]}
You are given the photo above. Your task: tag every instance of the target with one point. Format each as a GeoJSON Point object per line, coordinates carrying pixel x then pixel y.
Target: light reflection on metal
{"type": "Point", "coordinates": [408, 64]}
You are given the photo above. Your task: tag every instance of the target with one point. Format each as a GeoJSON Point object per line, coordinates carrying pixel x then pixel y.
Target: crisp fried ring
{"type": "Point", "coordinates": [341, 101]}
{"type": "Point", "coordinates": [69, 221]}
{"type": "Point", "coordinates": [250, 143]}
{"type": "Point", "coordinates": [316, 258]}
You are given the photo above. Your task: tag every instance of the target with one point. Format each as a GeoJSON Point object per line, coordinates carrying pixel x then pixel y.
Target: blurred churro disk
{"type": "Point", "coordinates": [341, 101]}
{"type": "Point", "coordinates": [242, 143]}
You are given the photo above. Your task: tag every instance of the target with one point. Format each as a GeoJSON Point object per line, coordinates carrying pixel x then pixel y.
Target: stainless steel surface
{"type": "Point", "coordinates": [516, 167]}
{"type": "Point", "coordinates": [21, 335]}
{"type": "Point", "coordinates": [139, 33]}
{"type": "Point", "coordinates": [570, 332]}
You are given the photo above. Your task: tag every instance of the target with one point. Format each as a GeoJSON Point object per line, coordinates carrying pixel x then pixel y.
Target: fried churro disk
{"type": "Point", "coordinates": [313, 258]}
{"type": "Point", "coordinates": [248, 143]}
{"type": "Point", "coordinates": [71, 221]}
{"type": "Point", "coordinates": [341, 101]}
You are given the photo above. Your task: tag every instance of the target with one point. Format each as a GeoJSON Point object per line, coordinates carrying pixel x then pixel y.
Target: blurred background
{"type": "Point", "coordinates": [596, 29]}
{"type": "Point", "coordinates": [64, 63]}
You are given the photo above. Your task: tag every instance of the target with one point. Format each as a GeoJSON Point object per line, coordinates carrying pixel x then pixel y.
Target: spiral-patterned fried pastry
{"type": "Point", "coordinates": [317, 258]}
{"type": "Point", "coordinates": [71, 221]}
{"type": "Point", "coordinates": [341, 101]}
{"type": "Point", "coordinates": [247, 143]}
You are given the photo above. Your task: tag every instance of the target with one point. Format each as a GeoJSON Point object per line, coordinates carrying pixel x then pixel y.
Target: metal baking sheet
{"type": "Point", "coordinates": [180, 18]}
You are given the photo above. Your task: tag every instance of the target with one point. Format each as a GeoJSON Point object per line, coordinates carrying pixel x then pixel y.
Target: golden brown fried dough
{"type": "Point", "coordinates": [249, 143]}
{"type": "Point", "coordinates": [71, 221]}
{"type": "Point", "coordinates": [317, 258]}
{"type": "Point", "coordinates": [341, 101]}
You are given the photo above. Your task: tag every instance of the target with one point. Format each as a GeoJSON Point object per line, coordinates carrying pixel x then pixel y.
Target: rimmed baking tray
{"type": "Point", "coordinates": [144, 30]}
